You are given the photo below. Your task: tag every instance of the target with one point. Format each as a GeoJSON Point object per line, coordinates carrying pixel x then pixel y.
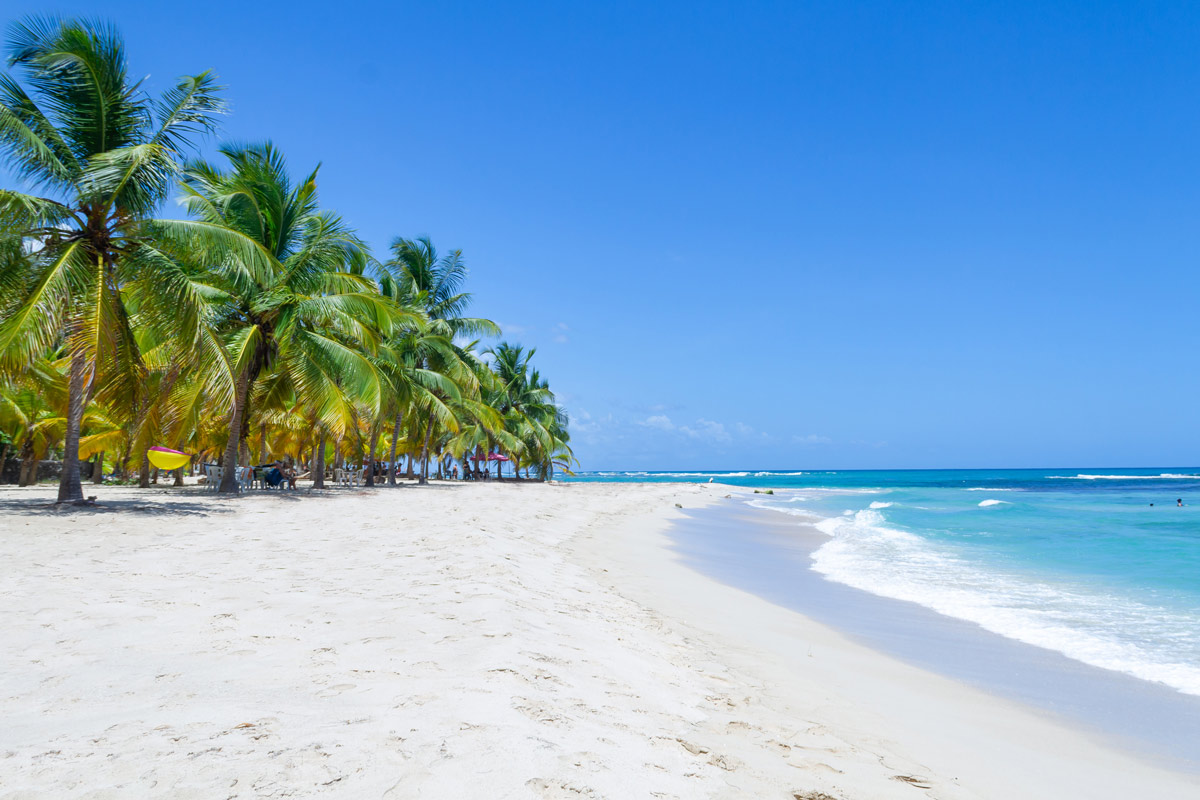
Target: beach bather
{"type": "Point", "coordinates": [279, 473]}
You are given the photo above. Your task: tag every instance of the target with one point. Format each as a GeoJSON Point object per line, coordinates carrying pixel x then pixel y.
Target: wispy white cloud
{"type": "Point", "coordinates": [659, 422]}
{"type": "Point", "coordinates": [560, 332]}
{"type": "Point", "coordinates": [811, 438]}
{"type": "Point", "coordinates": [707, 430]}
{"type": "Point", "coordinates": [702, 429]}
{"type": "Point", "coordinates": [746, 432]}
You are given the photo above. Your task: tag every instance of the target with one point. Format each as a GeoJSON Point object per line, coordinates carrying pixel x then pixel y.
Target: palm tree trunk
{"type": "Point", "coordinates": [409, 473]}
{"type": "Point", "coordinates": [375, 426]}
{"type": "Point", "coordinates": [178, 477]}
{"type": "Point", "coordinates": [425, 450]}
{"type": "Point", "coordinates": [262, 448]}
{"type": "Point", "coordinates": [70, 488]}
{"type": "Point", "coordinates": [392, 466]}
{"type": "Point", "coordinates": [229, 463]}
{"type": "Point", "coordinates": [3, 460]}
{"type": "Point", "coordinates": [98, 468]}
{"type": "Point", "coordinates": [318, 464]}
{"type": "Point", "coordinates": [144, 473]}
{"type": "Point", "coordinates": [28, 464]}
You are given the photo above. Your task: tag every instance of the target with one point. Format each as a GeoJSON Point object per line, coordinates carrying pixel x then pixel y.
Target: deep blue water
{"type": "Point", "coordinates": [1074, 560]}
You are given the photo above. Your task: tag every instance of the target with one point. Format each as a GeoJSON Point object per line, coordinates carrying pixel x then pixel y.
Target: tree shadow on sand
{"type": "Point", "coordinates": [38, 507]}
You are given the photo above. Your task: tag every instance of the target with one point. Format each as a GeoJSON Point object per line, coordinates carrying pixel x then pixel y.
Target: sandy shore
{"type": "Point", "coordinates": [464, 641]}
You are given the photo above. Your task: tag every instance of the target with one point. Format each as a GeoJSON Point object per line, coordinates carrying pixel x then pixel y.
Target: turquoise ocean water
{"type": "Point", "coordinates": [1074, 560]}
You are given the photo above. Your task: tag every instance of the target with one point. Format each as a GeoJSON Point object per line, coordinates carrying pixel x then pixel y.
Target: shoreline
{"type": "Point", "coordinates": [487, 640]}
{"type": "Point", "coordinates": [992, 746]}
{"type": "Point", "coordinates": [770, 555]}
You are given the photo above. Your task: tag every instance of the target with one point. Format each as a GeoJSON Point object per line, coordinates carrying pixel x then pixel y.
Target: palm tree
{"type": "Point", "coordinates": [103, 155]}
{"type": "Point", "coordinates": [31, 414]}
{"type": "Point", "coordinates": [306, 314]}
{"type": "Point", "coordinates": [409, 383]}
{"type": "Point", "coordinates": [253, 314]}
{"type": "Point", "coordinates": [420, 277]}
{"type": "Point", "coordinates": [529, 410]}
{"type": "Point", "coordinates": [482, 426]}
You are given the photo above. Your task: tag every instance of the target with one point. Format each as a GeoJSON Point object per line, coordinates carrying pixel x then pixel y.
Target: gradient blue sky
{"type": "Point", "coordinates": [769, 235]}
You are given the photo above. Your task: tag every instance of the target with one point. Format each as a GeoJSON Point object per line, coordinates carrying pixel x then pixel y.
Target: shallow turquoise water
{"type": "Point", "coordinates": [1074, 560]}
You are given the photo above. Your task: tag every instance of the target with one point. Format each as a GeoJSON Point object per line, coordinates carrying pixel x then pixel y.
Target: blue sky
{"type": "Point", "coordinates": [769, 235]}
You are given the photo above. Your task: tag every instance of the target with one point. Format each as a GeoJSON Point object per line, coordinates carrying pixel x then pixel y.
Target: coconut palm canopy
{"type": "Point", "coordinates": [260, 324]}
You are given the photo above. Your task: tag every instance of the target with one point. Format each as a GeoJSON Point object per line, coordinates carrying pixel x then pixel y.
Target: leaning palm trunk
{"type": "Point", "coordinates": [144, 473]}
{"type": "Point", "coordinates": [318, 464]}
{"type": "Point", "coordinates": [392, 465]}
{"type": "Point", "coordinates": [70, 488]}
{"type": "Point", "coordinates": [425, 450]}
{"type": "Point", "coordinates": [229, 463]}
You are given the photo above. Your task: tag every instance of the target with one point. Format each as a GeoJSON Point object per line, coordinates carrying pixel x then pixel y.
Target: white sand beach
{"type": "Point", "coordinates": [464, 641]}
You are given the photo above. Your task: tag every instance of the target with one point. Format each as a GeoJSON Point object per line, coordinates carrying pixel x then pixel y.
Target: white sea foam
{"type": "Point", "coordinates": [1107, 631]}
{"type": "Point", "coordinates": [878, 504]}
{"type": "Point", "coordinates": [986, 489]}
{"type": "Point", "coordinates": [781, 474]}
{"type": "Point", "coordinates": [1163, 476]}
{"type": "Point", "coordinates": [987, 503]}
{"type": "Point", "coordinates": [759, 502]}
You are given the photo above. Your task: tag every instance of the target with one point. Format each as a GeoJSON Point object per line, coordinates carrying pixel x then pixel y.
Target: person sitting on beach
{"type": "Point", "coordinates": [279, 473]}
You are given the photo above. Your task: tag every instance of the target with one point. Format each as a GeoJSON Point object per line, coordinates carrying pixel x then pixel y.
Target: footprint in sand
{"type": "Point", "coordinates": [539, 712]}
{"type": "Point", "coordinates": [334, 691]}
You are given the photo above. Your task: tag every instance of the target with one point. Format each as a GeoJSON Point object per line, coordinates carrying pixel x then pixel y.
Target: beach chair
{"type": "Point", "coordinates": [339, 476]}
{"type": "Point", "coordinates": [212, 477]}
